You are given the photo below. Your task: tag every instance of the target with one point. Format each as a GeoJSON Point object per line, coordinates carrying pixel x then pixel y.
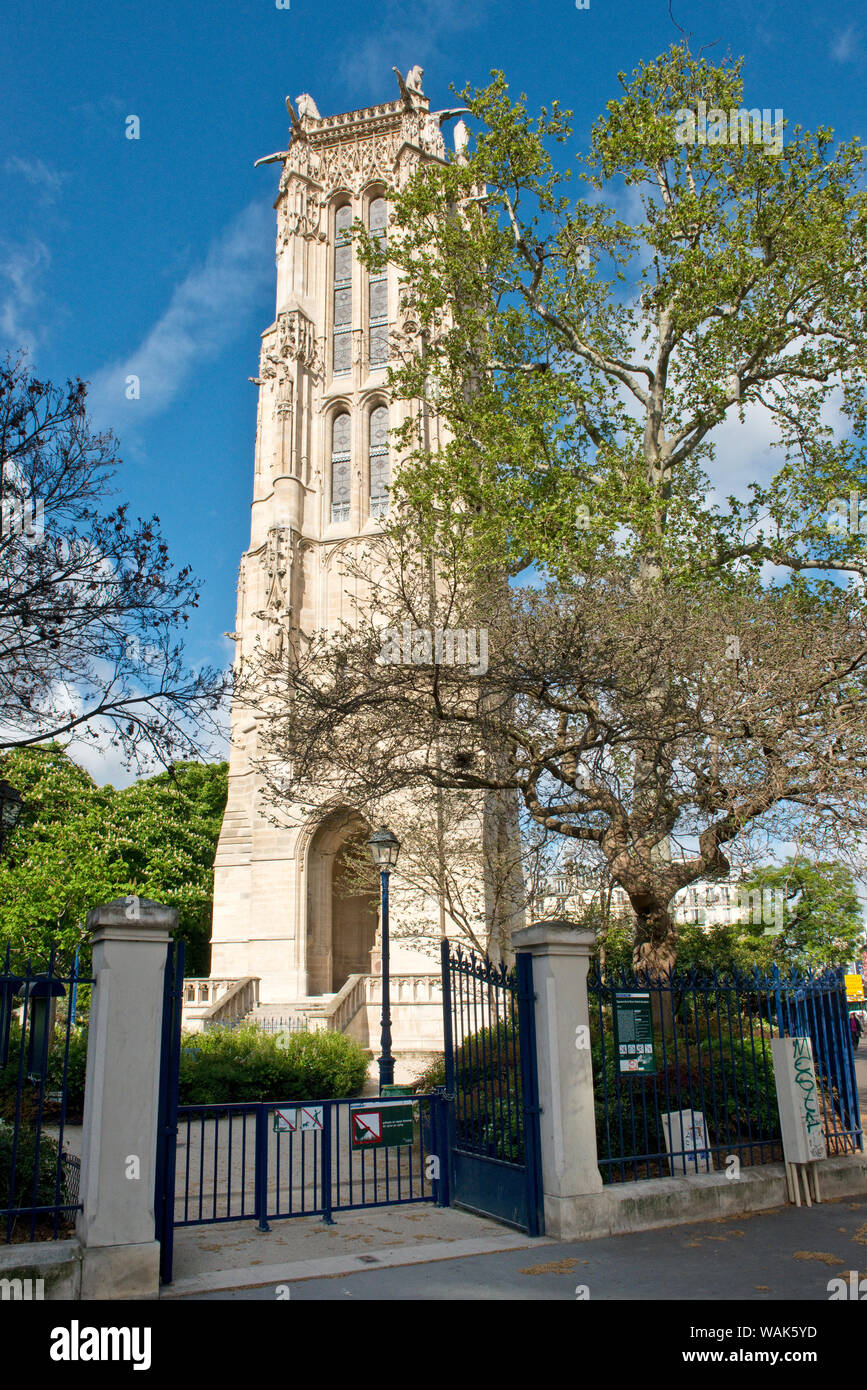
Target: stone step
{"type": "Point", "coordinates": [314, 1005]}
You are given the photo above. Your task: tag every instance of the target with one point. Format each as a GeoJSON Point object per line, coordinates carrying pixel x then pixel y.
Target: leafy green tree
{"type": "Point", "coordinates": [79, 845]}
{"type": "Point", "coordinates": [580, 363]}
{"type": "Point", "coordinates": [820, 921]}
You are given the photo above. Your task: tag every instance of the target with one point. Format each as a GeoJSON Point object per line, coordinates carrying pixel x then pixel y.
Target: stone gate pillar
{"type": "Point", "coordinates": [561, 955]}
{"type": "Point", "coordinates": [120, 1257]}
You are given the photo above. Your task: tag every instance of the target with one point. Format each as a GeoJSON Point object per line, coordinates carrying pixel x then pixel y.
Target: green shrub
{"type": "Point", "coordinates": [434, 1075]}
{"type": "Point", "coordinates": [75, 1071]}
{"type": "Point", "coordinates": [734, 1089]}
{"type": "Point", "coordinates": [26, 1166]}
{"type": "Point", "coordinates": [250, 1065]}
{"type": "Point", "coordinates": [489, 1116]}
{"type": "Point", "coordinates": [488, 1055]}
{"type": "Point", "coordinates": [76, 1067]}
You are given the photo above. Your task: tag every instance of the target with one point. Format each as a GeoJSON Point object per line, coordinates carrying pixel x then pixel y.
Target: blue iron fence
{"type": "Point", "coordinates": [38, 1180]}
{"type": "Point", "coordinates": [264, 1161]}
{"type": "Point", "coordinates": [692, 1086]}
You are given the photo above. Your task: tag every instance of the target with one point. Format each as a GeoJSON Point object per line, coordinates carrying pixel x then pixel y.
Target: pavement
{"type": "Point", "coordinates": [786, 1254]}
{"type": "Point", "coordinates": [216, 1259]}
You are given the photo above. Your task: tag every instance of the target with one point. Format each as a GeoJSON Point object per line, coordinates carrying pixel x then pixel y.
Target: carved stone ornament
{"type": "Point", "coordinates": [278, 569]}
{"type": "Point", "coordinates": [296, 337]}
{"type": "Point", "coordinates": [295, 340]}
{"type": "Point", "coordinates": [301, 211]}
{"type": "Point", "coordinates": [355, 165]}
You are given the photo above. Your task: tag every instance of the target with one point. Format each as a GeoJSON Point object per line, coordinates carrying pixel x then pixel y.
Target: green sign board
{"type": "Point", "coordinates": [633, 1033]}
{"type": "Point", "coordinates": [381, 1124]}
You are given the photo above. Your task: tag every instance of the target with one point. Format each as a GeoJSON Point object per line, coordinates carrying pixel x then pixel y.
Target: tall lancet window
{"type": "Point", "coordinates": [378, 291]}
{"type": "Point", "coordinates": [342, 361]}
{"type": "Point", "coordinates": [340, 468]}
{"type": "Point", "coordinates": [380, 475]}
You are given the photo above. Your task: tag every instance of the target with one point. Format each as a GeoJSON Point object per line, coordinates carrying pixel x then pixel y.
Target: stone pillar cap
{"type": "Point", "coordinates": [133, 913]}
{"type": "Point", "coordinates": [560, 933]}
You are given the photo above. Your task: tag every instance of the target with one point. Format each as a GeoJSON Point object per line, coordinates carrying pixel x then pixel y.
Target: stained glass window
{"type": "Point", "coordinates": [342, 290]}
{"type": "Point", "coordinates": [340, 468]}
{"type": "Point", "coordinates": [380, 476]}
{"type": "Point", "coordinates": [378, 290]}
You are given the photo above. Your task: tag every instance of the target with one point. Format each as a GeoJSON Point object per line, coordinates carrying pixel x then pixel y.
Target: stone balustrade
{"type": "Point", "coordinates": [207, 1002]}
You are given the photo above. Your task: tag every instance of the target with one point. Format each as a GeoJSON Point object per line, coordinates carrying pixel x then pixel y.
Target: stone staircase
{"type": "Point", "coordinates": [355, 1009]}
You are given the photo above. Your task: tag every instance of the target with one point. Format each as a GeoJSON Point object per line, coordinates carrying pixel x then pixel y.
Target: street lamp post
{"type": "Point", "coordinates": [11, 806]}
{"type": "Point", "coordinates": [384, 848]}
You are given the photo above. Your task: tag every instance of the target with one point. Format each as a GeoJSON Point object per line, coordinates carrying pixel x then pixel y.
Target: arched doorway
{"type": "Point", "coordinates": [342, 912]}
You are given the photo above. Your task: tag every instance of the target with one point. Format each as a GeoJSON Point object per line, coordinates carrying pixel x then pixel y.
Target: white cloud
{"type": "Point", "coordinates": [21, 270]}
{"type": "Point", "coordinates": [397, 38]}
{"type": "Point", "coordinates": [202, 317]}
{"type": "Point", "coordinates": [49, 181]}
{"type": "Point", "coordinates": [847, 45]}
{"type": "Point", "coordinates": [105, 764]}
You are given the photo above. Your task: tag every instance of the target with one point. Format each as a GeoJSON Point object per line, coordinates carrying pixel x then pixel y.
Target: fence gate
{"type": "Point", "coordinates": [268, 1160]}
{"type": "Point", "coordinates": [492, 1080]}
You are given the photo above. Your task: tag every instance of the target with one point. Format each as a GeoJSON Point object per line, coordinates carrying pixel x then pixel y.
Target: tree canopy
{"type": "Point", "coordinates": [685, 661]}
{"type": "Point", "coordinates": [79, 845]}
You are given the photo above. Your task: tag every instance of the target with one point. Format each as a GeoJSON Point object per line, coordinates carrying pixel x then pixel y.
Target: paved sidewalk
{"type": "Point", "coordinates": [786, 1254]}
{"type": "Point", "coordinates": [210, 1259]}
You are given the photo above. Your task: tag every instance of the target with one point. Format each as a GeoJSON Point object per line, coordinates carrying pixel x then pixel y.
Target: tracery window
{"type": "Point", "coordinates": [380, 473]}
{"type": "Point", "coordinates": [341, 460]}
{"type": "Point", "coordinates": [342, 358]}
{"type": "Point", "coordinates": [378, 290]}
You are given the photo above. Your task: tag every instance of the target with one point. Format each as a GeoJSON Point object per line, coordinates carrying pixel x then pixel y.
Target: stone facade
{"type": "Point", "coordinates": [320, 487]}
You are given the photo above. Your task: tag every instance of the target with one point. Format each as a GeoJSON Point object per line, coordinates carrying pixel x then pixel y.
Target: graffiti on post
{"type": "Point", "coordinates": [798, 1099]}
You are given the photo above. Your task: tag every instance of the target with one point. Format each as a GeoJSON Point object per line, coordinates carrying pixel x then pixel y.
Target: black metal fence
{"type": "Point", "coordinates": [39, 1048]}
{"type": "Point", "coordinates": [683, 1073]}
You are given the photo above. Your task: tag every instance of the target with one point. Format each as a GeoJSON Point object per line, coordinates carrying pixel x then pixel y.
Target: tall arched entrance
{"type": "Point", "coordinates": [342, 914]}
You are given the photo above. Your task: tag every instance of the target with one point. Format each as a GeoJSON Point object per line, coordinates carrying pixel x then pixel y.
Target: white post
{"type": "Point", "coordinates": [570, 1172]}
{"type": "Point", "coordinates": [120, 1257]}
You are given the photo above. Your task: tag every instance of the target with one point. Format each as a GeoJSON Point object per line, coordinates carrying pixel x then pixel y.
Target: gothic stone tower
{"type": "Point", "coordinates": [321, 480]}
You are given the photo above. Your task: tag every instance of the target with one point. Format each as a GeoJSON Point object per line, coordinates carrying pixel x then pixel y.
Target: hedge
{"type": "Point", "coordinates": [249, 1065]}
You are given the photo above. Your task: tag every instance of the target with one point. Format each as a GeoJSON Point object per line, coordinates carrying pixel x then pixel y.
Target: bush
{"type": "Point", "coordinates": [249, 1065]}
{"type": "Point", "coordinates": [75, 1071]}
{"type": "Point", "coordinates": [25, 1168]}
{"type": "Point", "coordinates": [489, 1116]}
{"type": "Point", "coordinates": [729, 1078]}
{"type": "Point", "coordinates": [76, 1066]}
{"type": "Point", "coordinates": [433, 1076]}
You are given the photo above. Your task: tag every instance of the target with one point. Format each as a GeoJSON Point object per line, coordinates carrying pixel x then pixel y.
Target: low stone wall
{"type": "Point", "coordinates": [49, 1270]}
{"type": "Point", "coordinates": [641, 1206]}
{"type": "Point", "coordinates": [413, 1027]}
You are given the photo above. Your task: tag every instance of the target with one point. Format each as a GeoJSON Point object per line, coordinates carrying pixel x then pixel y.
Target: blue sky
{"type": "Point", "coordinates": [156, 255]}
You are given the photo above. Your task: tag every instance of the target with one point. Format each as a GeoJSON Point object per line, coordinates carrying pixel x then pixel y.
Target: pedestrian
{"type": "Point", "coordinates": [855, 1029]}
